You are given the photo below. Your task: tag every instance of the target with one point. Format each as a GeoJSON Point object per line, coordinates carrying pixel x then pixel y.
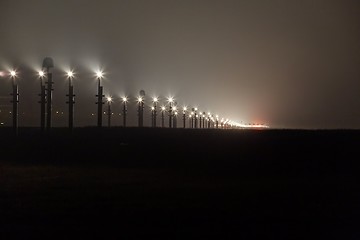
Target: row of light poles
{"type": "Point", "coordinates": [196, 119]}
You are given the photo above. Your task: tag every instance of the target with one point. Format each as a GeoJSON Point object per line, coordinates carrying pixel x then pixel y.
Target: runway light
{"type": "Point", "coordinates": [13, 73]}
{"type": "Point", "coordinates": [170, 99]}
{"type": "Point", "coordinates": [99, 74]}
{"type": "Point", "coordinates": [155, 99]}
{"type": "Point", "coordinates": [139, 99]}
{"type": "Point", "coordinates": [70, 74]}
{"type": "Point", "coordinates": [124, 99]}
{"type": "Point", "coordinates": [41, 74]}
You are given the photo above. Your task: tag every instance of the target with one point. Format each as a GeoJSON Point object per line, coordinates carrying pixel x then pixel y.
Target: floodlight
{"type": "Point", "coordinates": [99, 74]}
{"type": "Point", "coordinates": [13, 73]}
{"type": "Point", "coordinates": [70, 74]}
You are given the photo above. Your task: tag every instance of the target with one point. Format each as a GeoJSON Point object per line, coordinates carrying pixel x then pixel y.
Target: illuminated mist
{"type": "Point", "coordinates": [288, 64]}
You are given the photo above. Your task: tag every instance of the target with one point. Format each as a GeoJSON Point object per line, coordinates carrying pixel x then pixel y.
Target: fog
{"type": "Point", "coordinates": [284, 63]}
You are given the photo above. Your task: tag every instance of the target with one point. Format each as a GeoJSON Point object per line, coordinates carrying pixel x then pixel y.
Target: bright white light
{"type": "Point", "coordinates": [196, 109]}
{"type": "Point", "coordinates": [174, 108]}
{"type": "Point", "coordinates": [124, 99]}
{"type": "Point", "coordinates": [139, 99]}
{"type": "Point", "coordinates": [152, 108]}
{"type": "Point", "coordinates": [184, 108]}
{"type": "Point", "coordinates": [13, 73]}
{"type": "Point", "coordinates": [70, 74]}
{"type": "Point", "coordinates": [257, 126]}
{"type": "Point", "coordinates": [41, 74]}
{"type": "Point", "coordinates": [170, 99]}
{"type": "Point", "coordinates": [109, 99]}
{"type": "Point", "coordinates": [176, 113]}
{"type": "Point", "coordinates": [163, 108]}
{"type": "Point", "coordinates": [99, 74]}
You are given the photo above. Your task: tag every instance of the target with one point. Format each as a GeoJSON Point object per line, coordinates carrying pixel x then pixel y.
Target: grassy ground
{"type": "Point", "coordinates": [179, 184]}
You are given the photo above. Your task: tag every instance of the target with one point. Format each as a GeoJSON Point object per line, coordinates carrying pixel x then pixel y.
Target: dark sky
{"type": "Point", "coordinates": [286, 63]}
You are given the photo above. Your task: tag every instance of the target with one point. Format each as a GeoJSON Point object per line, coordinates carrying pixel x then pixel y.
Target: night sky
{"type": "Point", "coordinates": [284, 63]}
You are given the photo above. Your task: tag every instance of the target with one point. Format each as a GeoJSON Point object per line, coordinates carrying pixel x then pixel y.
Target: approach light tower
{"type": "Point", "coordinates": [163, 109]}
{"type": "Point", "coordinates": [15, 100]}
{"type": "Point", "coordinates": [154, 112]}
{"type": "Point", "coordinates": [208, 119]}
{"type": "Point", "coordinates": [141, 99]}
{"type": "Point", "coordinates": [42, 100]}
{"type": "Point", "coordinates": [48, 63]}
{"type": "Point", "coordinates": [192, 117]}
{"type": "Point", "coordinates": [175, 119]}
{"type": "Point", "coordinates": [184, 116]}
{"type": "Point", "coordinates": [170, 100]}
{"type": "Point", "coordinates": [71, 100]}
{"type": "Point", "coordinates": [99, 76]}
{"type": "Point", "coordinates": [196, 116]}
{"type": "Point", "coordinates": [203, 119]}
{"type": "Point", "coordinates": [200, 119]}
{"type": "Point", "coordinates": [109, 100]}
{"type": "Point", "coordinates": [124, 100]}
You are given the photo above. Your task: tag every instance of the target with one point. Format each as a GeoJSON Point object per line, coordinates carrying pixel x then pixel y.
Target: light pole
{"type": "Point", "coordinates": [203, 119]}
{"type": "Point", "coordinates": [109, 100]}
{"type": "Point", "coordinates": [175, 113]}
{"type": "Point", "coordinates": [217, 121]}
{"type": "Point", "coordinates": [170, 100]}
{"type": "Point", "coordinates": [15, 101]}
{"type": "Point", "coordinates": [192, 117]}
{"type": "Point", "coordinates": [208, 119]}
{"type": "Point", "coordinates": [184, 117]}
{"type": "Point", "coordinates": [71, 100]}
{"type": "Point", "coordinates": [163, 116]}
{"type": "Point", "coordinates": [140, 101]}
{"type": "Point", "coordinates": [200, 119]}
{"type": "Point", "coordinates": [196, 116]}
{"type": "Point", "coordinates": [99, 96]}
{"type": "Point", "coordinates": [42, 100]}
{"type": "Point", "coordinates": [124, 100]}
{"type": "Point", "coordinates": [154, 113]}
{"type": "Point", "coordinates": [190, 120]}
{"type": "Point", "coordinates": [175, 119]}
{"type": "Point", "coordinates": [48, 63]}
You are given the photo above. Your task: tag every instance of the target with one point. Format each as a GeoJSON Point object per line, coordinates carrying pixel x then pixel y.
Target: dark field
{"type": "Point", "coordinates": [179, 184]}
